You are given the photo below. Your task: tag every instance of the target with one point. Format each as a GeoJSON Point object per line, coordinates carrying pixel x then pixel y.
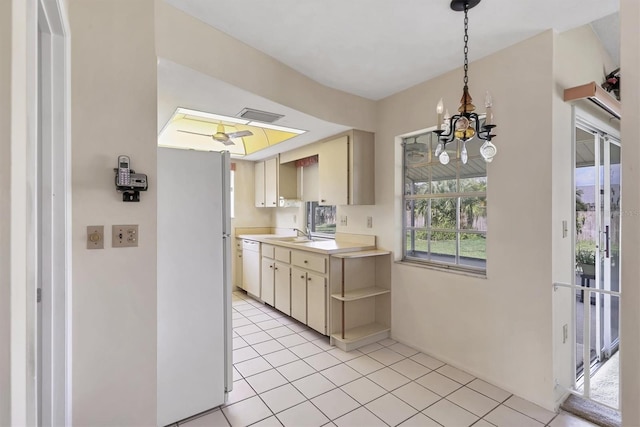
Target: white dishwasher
{"type": "Point", "coordinates": [251, 267]}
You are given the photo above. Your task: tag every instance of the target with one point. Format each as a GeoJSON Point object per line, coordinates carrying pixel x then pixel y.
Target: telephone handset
{"type": "Point", "coordinates": [124, 171]}
{"type": "Point", "coordinates": [128, 182]}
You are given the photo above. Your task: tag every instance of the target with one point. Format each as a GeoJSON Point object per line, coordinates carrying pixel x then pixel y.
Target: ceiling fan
{"type": "Point", "coordinates": [221, 136]}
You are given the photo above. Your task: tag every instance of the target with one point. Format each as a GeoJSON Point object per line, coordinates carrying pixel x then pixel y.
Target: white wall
{"type": "Point", "coordinates": [630, 330]}
{"type": "Point", "coordinates": [114, 111]}
{"type": "Point", "coordinates": [5, 205]}
{"type": "Point", "coordinates": [498, 328]}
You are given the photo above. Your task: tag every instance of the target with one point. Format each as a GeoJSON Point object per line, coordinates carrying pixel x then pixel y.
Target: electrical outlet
{"type": "Point", "coordinates": [565, 230]}
{"type": "Point", "coordinates": [369, 222]}
{"type": "Point", "coordinates": [124, 236]}
{"type": "Point", "coordinates": [95, 237]}
{"type": "Point", "coordinates": [343, 220]}
{"type": "Point", "coordinates": [565, 333]}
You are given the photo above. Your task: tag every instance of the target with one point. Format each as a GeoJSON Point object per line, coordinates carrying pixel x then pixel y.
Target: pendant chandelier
{"type": "Point", "coordinates": [466, 124]}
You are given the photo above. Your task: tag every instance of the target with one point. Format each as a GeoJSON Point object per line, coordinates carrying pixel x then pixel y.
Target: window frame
{"type": "Point", "coordinates": [309, 208]}
{"type": "Point", "coordinates": [410, 230]}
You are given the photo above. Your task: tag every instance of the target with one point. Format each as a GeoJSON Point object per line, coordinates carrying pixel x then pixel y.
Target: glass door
{"type": "Point", "coordinates": [609, 247]}
{"type": "Point", "coordinates": [597, 231]}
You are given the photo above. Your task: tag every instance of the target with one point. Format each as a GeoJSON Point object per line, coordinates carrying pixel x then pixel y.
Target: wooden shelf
{"type": "Point", "coordinates": [361, 254]}
{"type": "Point", "coordinates": [361, 293]}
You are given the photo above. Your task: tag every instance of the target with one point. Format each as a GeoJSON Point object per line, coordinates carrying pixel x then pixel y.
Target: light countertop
{"type": "Point", "coordinates": [322, 246]}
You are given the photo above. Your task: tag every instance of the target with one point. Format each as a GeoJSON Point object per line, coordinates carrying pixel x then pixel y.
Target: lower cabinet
{"type": "Point", "coordinates": [299, 294]}
{"type": "Point", "coordinates": [295, 282]}
{"type": "Point", "coordinates": [282, 276]}
{"type": "Point", "coordinates": [317, 302]}
{"type": "Point", "coordinates": [268, 281]}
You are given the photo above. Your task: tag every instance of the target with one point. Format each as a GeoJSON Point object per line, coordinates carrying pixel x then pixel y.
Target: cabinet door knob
{"type": "Point", "coordinates": [305, 261]}
{"type": "Point", "coordinates": [271, 266]}
{"type": "Point", "coordinates": [276, 268]}
{"type": "Point", "coordinates": [309, 278]}
{"type": "Point", "coordinates": [323, 200]}
{"type": "Point", "coordinates": [302, 277]}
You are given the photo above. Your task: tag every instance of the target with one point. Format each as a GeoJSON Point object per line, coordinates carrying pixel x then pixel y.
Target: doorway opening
{"type": "Point", "coordinates": [597, 185]}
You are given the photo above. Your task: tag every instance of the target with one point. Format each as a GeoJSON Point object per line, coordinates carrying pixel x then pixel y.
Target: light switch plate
{"type": "Point", "coordinates": [95, 237]}
{"type": "Point", "coordinates": [124, 236]}
{"type": "Point", "coordinates": [369, 222]}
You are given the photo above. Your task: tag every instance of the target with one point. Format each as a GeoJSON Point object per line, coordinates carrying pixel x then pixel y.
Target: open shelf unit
{"type": "Point", "coordinates": [360, 311]}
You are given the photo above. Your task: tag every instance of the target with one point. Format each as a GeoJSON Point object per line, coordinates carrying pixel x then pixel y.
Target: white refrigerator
{"type": "Point", "coordinates": [194, 283]}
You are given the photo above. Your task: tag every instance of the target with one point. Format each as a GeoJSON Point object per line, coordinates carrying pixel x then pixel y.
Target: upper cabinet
{"type": "Point", "coordinates": [259, 179]}
{"type": "Point", "coordinates": [346, 169]}
{"type": "Point", "coordinates": [273, 181]}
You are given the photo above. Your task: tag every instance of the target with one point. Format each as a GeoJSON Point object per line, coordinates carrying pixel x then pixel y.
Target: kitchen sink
{"type": "Point", "coordinates": [295, 239]}
{"type": "Point", "coordinates": [290, 239]}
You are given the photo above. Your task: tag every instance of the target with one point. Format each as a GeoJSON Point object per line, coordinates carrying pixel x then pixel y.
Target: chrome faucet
{"type": "Point", "coordinates": [307, 234]}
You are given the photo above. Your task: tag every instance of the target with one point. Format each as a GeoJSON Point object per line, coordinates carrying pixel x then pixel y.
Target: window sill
{"type": "Point", "coordinates": [454, 270]}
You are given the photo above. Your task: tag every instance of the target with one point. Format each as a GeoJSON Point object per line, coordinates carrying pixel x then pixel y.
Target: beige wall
{"type": "Point", "coordinates": [630, 330]}
{"type": "Point", "coordinates": [512, 318]}
{"type": "Point", "coordinates": [5, 205]}
{"type": "Point", "coordinates": [114, 111]}
{"type": "Point", "coordinates": [497, 328]}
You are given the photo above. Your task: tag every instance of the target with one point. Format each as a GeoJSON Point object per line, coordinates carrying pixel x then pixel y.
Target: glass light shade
{"type": "Point", "coordinates": [444, 158]}
{"type": "Point", "coordinates": [438, 149]}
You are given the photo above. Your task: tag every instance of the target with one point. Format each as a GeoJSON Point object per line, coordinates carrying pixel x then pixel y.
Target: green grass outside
{"type": "Point", "coordinates": [326, 228]}
{"type": "Point", "coordinates": [470, 248]}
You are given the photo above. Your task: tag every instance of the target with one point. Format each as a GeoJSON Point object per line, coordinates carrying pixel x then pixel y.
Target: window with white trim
{"type": "Point", "coordinates": [444, 206]}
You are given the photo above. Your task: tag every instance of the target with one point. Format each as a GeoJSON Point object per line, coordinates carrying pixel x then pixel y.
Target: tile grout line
{"type": "Point", "coordinates": [270, 310]}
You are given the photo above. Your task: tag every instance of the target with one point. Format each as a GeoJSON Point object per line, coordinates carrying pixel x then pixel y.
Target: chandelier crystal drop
{"type": "Point", "coordinates": [466, 124]}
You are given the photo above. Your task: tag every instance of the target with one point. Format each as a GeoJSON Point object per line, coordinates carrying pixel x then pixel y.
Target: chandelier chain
{"type": "Point", "coordinates": [466, 41]}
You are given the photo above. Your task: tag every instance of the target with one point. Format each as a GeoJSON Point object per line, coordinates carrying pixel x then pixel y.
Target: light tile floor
{"type": "Point", "coordinates": [286, 374]}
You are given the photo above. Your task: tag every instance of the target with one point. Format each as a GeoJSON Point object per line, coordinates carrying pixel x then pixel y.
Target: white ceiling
{"type": "Point", "coordinates": [371, 48]}
{"type": "Point", "coordinates": [375, 48]}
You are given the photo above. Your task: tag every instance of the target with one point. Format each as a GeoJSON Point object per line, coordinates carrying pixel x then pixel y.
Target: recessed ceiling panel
{"type": "Point", "coordinates": [190, 129]}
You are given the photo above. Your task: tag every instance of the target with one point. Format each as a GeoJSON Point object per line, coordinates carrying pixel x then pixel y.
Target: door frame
{"type": "Point", "coordinates": [53, 224]}
{"type": "Point", "coordinates": [40, 211]}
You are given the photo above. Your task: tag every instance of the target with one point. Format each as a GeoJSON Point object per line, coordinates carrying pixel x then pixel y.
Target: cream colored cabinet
{"type": "Point", "coordinates": [299, 294]}
{"type": "Point", "coordinates": [333, 170]}
{"type": "Point", "coordinates": [317, 302]}
{"type": "Point", "coordinates": [314, 269]}
{"type": "Point", "coordinates": [360, 298]}
{"type": "Point", "coordinates": [346, 169]}
{"type": "Point", "coordinates": [274, 181]}
{"type": "Point", "coordinates": [268, 274]}
{"type": "Point", "coordinates": [271, 183]}
{"type": "Point", "coordinates": [268, 281]}
{"type": "Point", "coordinates": [237, 268]}
{"type": "Point", "coordinates": [258, 171]}
{"type": "Point", "coordinates": [282, 278]}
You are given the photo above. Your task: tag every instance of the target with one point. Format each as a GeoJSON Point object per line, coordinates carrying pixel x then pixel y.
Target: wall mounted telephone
{"type": "Point", "coordinates": [128, 181]}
